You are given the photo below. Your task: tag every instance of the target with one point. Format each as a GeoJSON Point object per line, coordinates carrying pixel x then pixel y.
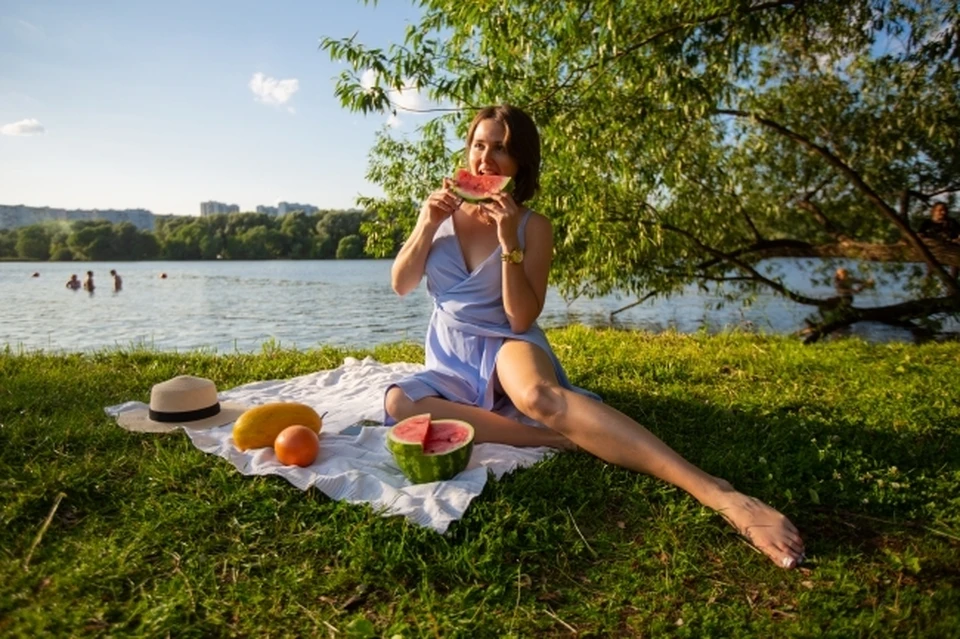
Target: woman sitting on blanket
{"type": "Point", "coordinates": [486, 268]}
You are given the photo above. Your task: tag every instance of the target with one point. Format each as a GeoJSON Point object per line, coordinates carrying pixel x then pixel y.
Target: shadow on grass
{"type": "Point", "coordinates": [849, 488]}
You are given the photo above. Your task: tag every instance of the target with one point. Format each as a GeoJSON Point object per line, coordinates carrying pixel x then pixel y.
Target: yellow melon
{"type": "Point", "coordinates": [259, 426]}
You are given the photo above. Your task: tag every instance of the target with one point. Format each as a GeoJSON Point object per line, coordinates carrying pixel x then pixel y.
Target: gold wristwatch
{"type": "Point", "coordinates": [514, 257]}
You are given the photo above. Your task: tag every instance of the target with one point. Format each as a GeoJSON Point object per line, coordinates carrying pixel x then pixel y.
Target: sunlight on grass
{"type": "Point", "coordinates": [858, 443]}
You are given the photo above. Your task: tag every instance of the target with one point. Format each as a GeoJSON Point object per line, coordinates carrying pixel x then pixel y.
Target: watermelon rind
{"type": "Point", "coordinates": [422, 468]}
{"type": "Point", "coordinates": [498, 184]}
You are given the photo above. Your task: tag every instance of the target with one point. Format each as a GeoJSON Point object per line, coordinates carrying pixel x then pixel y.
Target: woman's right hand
{"type": "Point", "coordinates": [440, 205]}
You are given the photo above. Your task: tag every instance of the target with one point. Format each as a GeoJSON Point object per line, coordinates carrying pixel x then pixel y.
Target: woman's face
{"type": "Point", "coordinates": [488, 150]}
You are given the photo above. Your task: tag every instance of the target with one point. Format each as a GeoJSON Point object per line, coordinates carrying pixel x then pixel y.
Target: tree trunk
{"type": "Point", "coordinates": [947, 253]}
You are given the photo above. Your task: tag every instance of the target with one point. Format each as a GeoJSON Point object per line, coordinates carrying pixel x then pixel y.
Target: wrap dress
{"type": "Point", "coordinates": [467, 328]}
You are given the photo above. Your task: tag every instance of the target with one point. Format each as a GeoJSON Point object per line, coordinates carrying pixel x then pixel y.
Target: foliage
{"type": "Point", "coordinates": [33, 243]}
{"type": "Point", "coordinates": [241, 236]}
{"type": "Point", "coordinates": [350, 248]}
{"type": "Point", "coordinates": [689, 142]}
{"type": "Point", "coordinates": [153, 537]}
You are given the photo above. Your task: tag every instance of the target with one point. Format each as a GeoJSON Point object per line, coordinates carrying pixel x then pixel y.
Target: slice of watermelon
{"type": "Point", "coordinates": [431, 451]}
{"type": "Point", "coordinates": [414, 430]}
{"type": "Point", "coordinates": [479, 188]}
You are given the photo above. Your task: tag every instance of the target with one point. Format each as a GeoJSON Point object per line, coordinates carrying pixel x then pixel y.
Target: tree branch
{"type": "Point", "coordinates": [898, 314]}
{"type": "Point", "coordinates": [947, 253]}
{"type": "Point", "coordinates": [632, 304]}
{"type": "Point", "coordinates": [579, 73]}
{"type": "Point", "coordinates": [950, 188]}
{"type": "Point", "coordinates": [780, 288]}
{"type": "Point", "coordinates": [905, 205]}
{"type": "Point", "coordinates": [823, 220]}
{"type": "Point", "coordinates": [858, 182]}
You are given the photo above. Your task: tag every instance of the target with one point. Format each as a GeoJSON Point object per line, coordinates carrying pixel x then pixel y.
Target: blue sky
{"type": "Point", "coordinates": [162, 104]}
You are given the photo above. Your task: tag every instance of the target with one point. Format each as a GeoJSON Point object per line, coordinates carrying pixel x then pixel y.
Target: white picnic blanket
{"type": "Point", "coordinates": [356, 466]}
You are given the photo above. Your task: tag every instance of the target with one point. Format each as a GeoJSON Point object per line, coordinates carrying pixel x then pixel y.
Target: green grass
{"type": "Point", "coordinates": [858, 444]}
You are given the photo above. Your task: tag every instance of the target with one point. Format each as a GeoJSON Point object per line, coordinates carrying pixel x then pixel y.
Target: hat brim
{"type": "Point", "coordinates": [138, 420]}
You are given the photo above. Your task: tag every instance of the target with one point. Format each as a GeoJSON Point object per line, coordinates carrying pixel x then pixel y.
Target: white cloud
{"type": "Point", "coordinates": [368, 79]}
{"type": "Point", "coordinates": [273, 91]}
{"type": "Point", "coordinates": [29, 126]}
{"type": "Point", "coordinates": [407, 99]}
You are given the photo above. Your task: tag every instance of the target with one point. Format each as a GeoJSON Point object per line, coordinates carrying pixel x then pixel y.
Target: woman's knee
{"type": "Point", "coordinates": [543, 402]}
{"type": "Point", "coordinates": [397, 404]}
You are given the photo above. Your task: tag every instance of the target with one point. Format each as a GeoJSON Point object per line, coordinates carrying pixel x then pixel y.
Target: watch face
{"type": "Point", "coordinates": [514, 257]}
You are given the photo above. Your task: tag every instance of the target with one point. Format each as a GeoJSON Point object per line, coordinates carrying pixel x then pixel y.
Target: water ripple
{"type": "Point", "coordinates": [240, 306]}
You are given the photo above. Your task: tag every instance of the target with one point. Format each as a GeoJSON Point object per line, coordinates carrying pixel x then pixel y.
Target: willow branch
{"type": "Point", "coordinates": [632, 304]}
{"type": "Point", "coordinates": [759, 277]}
{"type": "Point", "coordinates": [860, 184]}
{"type": "Point", "coordinates": [891, 314]}
{"type": "Point", "coordinates": [823, 220]}
{"type": "Point", "coordinates": [608, 62]}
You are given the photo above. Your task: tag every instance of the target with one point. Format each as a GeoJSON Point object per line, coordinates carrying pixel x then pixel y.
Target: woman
{"type": "Point", "coordinates": [487, 268]}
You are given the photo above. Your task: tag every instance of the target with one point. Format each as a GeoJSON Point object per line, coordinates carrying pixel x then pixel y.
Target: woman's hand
{"type": "Point", "coordinates": [439, 205]}
{"type": "Point", "coordinates": [505, 213]}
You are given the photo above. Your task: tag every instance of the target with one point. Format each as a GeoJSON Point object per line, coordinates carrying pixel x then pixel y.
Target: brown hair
{"type": "Point", "coordinates": [522, 143]}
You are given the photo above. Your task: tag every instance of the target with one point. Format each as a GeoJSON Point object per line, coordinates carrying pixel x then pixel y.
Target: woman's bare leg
{"type": "Point", "coordinates": [527, 376]}
{"type": "Point", "coordinates": [488, 426]}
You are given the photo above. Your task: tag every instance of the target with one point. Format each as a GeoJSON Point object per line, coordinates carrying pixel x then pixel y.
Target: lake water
{"type": "Point", "coordinates": [239, 306]}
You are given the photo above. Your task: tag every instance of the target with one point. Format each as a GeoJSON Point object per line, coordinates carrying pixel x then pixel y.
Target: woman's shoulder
{"type": "Point", "coordinates": [538, 223]}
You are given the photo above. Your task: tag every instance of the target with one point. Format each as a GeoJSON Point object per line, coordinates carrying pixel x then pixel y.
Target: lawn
{"type": "Point", "coordinates": [109, 533]}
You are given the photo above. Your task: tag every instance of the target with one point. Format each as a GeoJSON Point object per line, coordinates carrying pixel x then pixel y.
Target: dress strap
{"type": "Point", "coordinates": [521, 230]}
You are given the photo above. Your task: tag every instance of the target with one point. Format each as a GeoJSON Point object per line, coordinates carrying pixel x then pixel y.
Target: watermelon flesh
{"type": "Point", "coordinates": [428, 450]}
{"type": "Point", "coordinates": [479, 188]}
{"type": "Point", "coordinates": [413, 429]}
{"type": "Point", "coordinates": [444, 436]}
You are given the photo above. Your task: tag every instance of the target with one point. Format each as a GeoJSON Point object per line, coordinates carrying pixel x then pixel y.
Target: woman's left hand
{"type": "Point", "coordinates": [505, 213]}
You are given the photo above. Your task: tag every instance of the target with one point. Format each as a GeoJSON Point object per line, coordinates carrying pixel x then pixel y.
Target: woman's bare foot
{"type": "Point", "coordinates": [768, 530]}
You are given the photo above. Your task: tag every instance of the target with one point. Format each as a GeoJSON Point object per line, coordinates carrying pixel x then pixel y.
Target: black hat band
{"type": "Point", "coordinates": [185, 415]}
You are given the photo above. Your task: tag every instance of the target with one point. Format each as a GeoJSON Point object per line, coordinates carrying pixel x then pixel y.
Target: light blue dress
{"type": "Point", "coordinates": [468, 327]}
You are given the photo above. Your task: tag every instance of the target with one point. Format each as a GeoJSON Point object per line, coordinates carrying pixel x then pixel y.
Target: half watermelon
{"type": "Point", "coordinates": [429, 450]}
{"type": "Point", "coordinates": [479, 188]}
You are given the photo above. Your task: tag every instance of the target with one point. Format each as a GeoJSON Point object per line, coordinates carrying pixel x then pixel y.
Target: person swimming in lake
{"type": "Point", "coordinates": [117, 281]}
{"type": "Point", "coordinates": [73, 283]}
{"type": "Point", "coordinates": [88, 282]}
{"type": "Point", "coordinates": [487, 268]}
{"type": "Point", "coordinates": [847, 285]}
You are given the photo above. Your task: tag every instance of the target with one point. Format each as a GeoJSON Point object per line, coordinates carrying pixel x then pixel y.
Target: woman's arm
{"type": "Point", "coordinates": [525, 284]}
{"type": "Point", "coordinates": [411, 261]}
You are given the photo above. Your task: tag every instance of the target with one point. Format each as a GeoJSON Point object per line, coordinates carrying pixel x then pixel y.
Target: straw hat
{"type": "Point", "coordinates": [185, 401]}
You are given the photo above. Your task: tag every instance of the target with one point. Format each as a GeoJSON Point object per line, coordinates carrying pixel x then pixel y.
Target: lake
{"type": "Point", "coordinates": [238, 306]}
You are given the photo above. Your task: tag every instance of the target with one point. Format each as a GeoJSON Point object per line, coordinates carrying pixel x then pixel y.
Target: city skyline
{"type": "Point", "coordinates": [159, 107]}
{"type": "Point", "coordinates": [13, 216]}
